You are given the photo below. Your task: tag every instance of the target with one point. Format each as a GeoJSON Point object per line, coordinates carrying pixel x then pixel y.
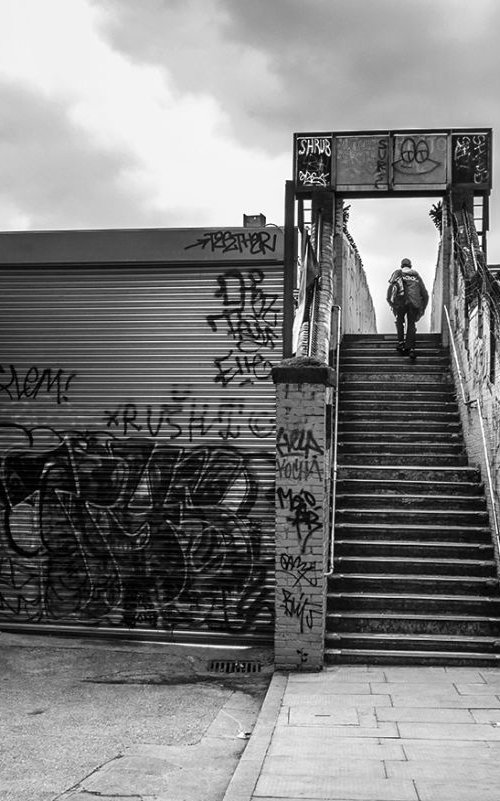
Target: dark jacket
{"type": "Point", "coordinates": [406, 288]}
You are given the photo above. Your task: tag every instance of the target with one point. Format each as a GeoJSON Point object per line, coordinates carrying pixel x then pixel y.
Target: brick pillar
{"type": "Point", "coordinates": [303, 433]}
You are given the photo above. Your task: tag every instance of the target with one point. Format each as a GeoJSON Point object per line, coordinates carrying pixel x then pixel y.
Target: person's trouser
{"type": "Point", "coordinates": [408, 315]}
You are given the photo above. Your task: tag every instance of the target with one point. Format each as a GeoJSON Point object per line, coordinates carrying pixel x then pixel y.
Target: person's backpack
{"type": "Point", "coordinates": [396, 295]}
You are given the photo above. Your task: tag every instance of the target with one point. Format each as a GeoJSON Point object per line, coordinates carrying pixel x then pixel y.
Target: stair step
{"type": "Point", "coordinates": [401, 459]}
{"type": "Point", "coordinates": [396, 445]}
{"type": "Point", "coordinates": [420, 566]}
{"type": "Point", "coordinates": [410, 584]}
{"type": "Point", "coordinates": [414, 602]}
{"type": "Point", "coordinates": [412, 517]}
{"type": "Point", "coordinates": [401, 411]}
{"type": "Point", "coordinates": [400, 622]}
{"type": "Point", "coordinates": [421, 642]}
{"type": "Point", "coordinates": [414, 549]}
{"type": "Point", "coordinates": [405, 379]}
{"type": "Point", "coordinates": [434, 339]}
{"type": "Point", "coordinates": [382, 487]}
{"type": "Point", "coordinates": [362, 427]}
{"type": "Point", "coordinates": [401, 436]}
{"type": "Point", "coordinates": [388, 350]}
{"type": "Point", "coordinates": [410, 502]}
{"type": "Point", "coordinates": [422, 533]}
{"type": "Point", "coordinates": [414, 473]}
{"type": "Point", "coordinates": [435, 369]}
{"type": "Point", "coordinates": [398, 657]}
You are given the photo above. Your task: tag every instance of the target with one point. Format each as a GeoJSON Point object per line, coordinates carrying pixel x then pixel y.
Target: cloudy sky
{"type": "Point", "coordinates": [152, 113]}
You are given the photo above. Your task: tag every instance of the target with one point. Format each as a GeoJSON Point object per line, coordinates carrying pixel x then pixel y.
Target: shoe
{"type": "Point", "coordinates": [412, 355]}
{"type": "Point", "coordinates": [400, 347]}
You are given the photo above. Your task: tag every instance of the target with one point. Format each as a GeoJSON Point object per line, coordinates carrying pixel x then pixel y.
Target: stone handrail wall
{"type": "Point", "coordinates": [473, 302]}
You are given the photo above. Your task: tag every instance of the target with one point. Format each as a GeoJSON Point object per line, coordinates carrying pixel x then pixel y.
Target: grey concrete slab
{"type": "Point", "coordinates": [438, 750]}
{"type": "Point", "coordinates": [449, 731]}
{"type": "Point", "coordinates": [382, 730]}
{"type": "Point", "coordinates": [328, 701]}
{"type": "Point", "coordinates": [477, 688]}
{"type": "Point", "coordinates": [316, 716]}
{"type": "Point", "coordinates": [329, 767]}
{"type": "Point", "coordinates": [422, 687]}
{"type": "Point", "coordinates": [444, 791]}
{"type": "Point", "coordinates": [491, 716]}
{"type": "Point", "coordinates": [328, 687]}
{"type": "Point", "coordinates": [342, 673]}
{"type": "Point", "coordinates": [324, 743]}
{"type": "Point", "coordinates": [334, 789]}
{"type": "Point", "coordinates": [428, 714]}
{"type": "Point", "coordinates": [443, 700]}
{"type": "Point", "coordinates": [452, 770]}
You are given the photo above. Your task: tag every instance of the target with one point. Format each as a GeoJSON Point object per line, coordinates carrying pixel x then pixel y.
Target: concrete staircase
{"type": "Point", "coordinates": [415, 578]}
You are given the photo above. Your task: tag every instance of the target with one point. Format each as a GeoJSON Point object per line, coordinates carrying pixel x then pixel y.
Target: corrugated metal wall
{"type": "Point", "coordinates": [137, 446]}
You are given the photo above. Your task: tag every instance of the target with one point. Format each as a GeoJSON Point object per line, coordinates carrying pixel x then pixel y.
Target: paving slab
{"type": "Point", "coordinates": [491, 716]}
{"type": "Point", "coordinates": [335, 789]}
{"type": "Point", "coordinates": [449, 731]}
{"type": "Point", "coordinates": [420, 734]}
{"type": "Point", "coordinates": [332, 687]}
{"type": "Point", "coordinates": [439, 750]}
{"type": "Point", "coordinates": [324, 743]}
{"type": "Point", "coordinates": [426, 715]}
{"type": "Point", "coordinates": [453, 791]}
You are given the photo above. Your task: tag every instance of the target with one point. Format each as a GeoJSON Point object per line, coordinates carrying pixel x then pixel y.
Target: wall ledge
{"type": "Point", "coordinates": [303, 370]}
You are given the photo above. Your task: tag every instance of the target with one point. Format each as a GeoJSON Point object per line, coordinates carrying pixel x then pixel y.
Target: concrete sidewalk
{"type": "Point", "coordinates": [356, 733]}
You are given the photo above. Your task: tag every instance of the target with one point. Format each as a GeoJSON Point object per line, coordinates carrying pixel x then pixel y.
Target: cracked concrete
{"type": "Point", "coordinates": [82, 720]}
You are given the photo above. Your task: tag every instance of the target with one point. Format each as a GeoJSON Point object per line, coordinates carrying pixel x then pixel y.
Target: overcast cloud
{"type": "Point", "coordinates": [120, 113]}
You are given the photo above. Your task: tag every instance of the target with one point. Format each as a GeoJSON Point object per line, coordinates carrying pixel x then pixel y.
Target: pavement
{"type": "Point", "coordinates": [85, 719]}
{"type": "Point", "coordinates": [361, 733]}
{"type": "Point", "coordinates": [94, 721]}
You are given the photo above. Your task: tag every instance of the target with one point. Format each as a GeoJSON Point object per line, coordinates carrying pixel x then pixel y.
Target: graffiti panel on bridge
{"type": "Point", "coordinates": [130, 532]}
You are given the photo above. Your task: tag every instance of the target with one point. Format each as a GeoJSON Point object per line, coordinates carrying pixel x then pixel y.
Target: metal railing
{"type": "Point", "coordinates": [334, 459]}
{"type": "Point", "coordinates": [477, 403]}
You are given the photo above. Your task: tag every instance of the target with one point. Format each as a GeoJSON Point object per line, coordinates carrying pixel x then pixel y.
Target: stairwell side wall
{"type": "Point", "coordinates": [303, 440]}
{"type": "Point", "coordinates": [471, 325]}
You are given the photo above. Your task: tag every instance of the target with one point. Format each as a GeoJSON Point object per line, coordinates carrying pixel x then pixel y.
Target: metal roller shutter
{"type": "Point", "coordinates": [137, 447]}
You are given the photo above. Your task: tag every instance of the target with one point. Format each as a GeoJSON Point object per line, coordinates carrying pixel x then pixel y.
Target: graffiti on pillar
{"type": "Point", "coordinates": [249, 318]}
{"type": "Point", "coordinates": [298, 455]}
{"type": "Point", "coordinates": [129, 531]}
{"type": "Point", "coordinates": [299, 606]}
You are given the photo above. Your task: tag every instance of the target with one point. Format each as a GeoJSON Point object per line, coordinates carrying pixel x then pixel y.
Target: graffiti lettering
{"type": "Point", "coordinates": [310, 145]}
{"type": "Point", "coordinates": [36, 380]}
{"type": "Point", "coordinates": [314, 178]}
{"type": "Point", "coordinates": [257, 242]}
{"type": "Point", "coordinates": [247, 369]}
{"type": "Point", "coordinates": [299, 470]}
{"type": "Point", "coordinates": [296, 442]}
{"type": "Point", "coordinates": [301, 608]}
{"type": "Point", "coordinates": [250, 318]}
{"type": "Point", "coordinates": [305, 514]}
{"type": "Point", "coordinates": [171, 421]}
{"type": "Point", "coordinates": [470, 159]}
{"type": "Point", "coordinates": [381, 174]}
{"type": "Point", "coordinates": [130, 532]}
{"type": "Point", "coordinates": [300, 570]}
